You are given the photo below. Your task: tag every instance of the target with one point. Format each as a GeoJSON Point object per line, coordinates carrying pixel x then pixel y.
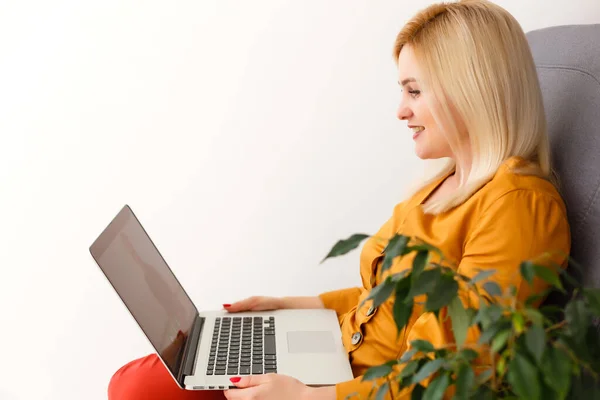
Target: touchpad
{"type": "Point", "coordinates": [310, 342]}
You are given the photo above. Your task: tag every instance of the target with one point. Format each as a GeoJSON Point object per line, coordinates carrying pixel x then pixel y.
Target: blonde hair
{"type": "Point", "coordinates": [476, 60]}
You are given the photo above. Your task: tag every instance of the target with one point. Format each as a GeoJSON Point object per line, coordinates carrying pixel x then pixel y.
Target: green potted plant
{"type": "Point", "coordinates": [545, 352]}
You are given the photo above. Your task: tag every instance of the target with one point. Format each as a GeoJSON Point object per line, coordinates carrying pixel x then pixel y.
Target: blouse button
{"type": "Point", "coordinates": [356, 338]}
{"type": "Point", "coordinates": [371, 311]}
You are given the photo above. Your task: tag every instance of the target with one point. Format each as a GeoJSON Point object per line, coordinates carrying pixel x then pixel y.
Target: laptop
{"type": "Point", "coordinates": [203, 349]}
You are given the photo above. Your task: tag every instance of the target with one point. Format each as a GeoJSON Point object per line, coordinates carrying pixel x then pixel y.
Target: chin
{"type": "Point", "coordinates": [427, 154]}
{"type": "Point", "coordinates": [423, 154]}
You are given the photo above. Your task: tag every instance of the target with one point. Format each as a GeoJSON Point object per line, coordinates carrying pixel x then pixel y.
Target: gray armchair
{"type": "Point", "coordinates": [568, 64]}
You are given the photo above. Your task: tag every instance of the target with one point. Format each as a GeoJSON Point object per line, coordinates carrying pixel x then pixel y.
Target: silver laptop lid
{"type": "Point", "coordinates": [149, 289]}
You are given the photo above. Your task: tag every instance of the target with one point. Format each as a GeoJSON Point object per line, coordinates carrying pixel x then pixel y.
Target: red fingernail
{"type": "Point", "coordinates": [235, 379]}
{"type": "Point", "coordinates": [226, 305]}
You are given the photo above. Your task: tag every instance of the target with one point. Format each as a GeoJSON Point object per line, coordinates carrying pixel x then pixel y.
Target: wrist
{"type": "Point", "coordinates": [281, 303]}
{"type": "Point", "coordinates": [304, 302]}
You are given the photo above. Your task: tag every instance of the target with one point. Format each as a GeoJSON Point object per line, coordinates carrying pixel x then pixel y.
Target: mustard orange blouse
{"type": "Point", "coordinates": [511, 219]}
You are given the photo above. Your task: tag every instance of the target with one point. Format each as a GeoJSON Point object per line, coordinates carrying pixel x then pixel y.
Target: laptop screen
{"type": "Point", "coordinates": [147, 286]}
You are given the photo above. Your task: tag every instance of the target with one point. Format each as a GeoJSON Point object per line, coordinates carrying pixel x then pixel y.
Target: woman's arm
{"type": "Point", "coordinates": [341, 300]}
{"type": "Point", "coordinates": [302, 302]}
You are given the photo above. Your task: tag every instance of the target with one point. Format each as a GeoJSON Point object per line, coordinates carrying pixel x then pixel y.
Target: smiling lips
{"type": "Point", "coordinates": [417, 130]}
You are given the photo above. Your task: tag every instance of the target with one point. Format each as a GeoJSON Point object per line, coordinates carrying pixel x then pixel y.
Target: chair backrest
{"type": "Point", "coordinates": [568, 64]}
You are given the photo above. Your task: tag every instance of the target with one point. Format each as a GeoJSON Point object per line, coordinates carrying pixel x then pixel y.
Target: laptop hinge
{"type": "Point", "coordinates": [191, 348]}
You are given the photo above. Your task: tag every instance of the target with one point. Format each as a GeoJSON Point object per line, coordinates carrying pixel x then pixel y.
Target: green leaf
{"type": "Point", "coordinates": [492, 288]}
{"type": "Point", "coordinates": [410, 368]}
{"type": "Point", "coordinates": [402, 312]}
{"type": "Point", "coordinates": [382, 391]}
{"type": "Point", "coordinates": [345, 246]}
{"type": "Point", "coordinates": [593, 298]}
{"type": "Point", "coordinates": [535, 339]}
{"type": "Point", "coordinates": [424, 247]}
{"type": "Point", "coordinates": [501, 366]}
{"type": "Point", "coordinates": [518, 322]}
{"type": "Point", "coordinates": [522, 375]}
{"type": "Point", "coordinates": [500, 340]}
{"type": "Point", "coordinates": [422, 346]}
{"type": "Point", "coordinates": [419, 263]}
{"type": "Point", "coordinates": [408, 355]}
{"type": "Point", "coordinates": [445, 290]}
{"type": "Point", "coordinates": [403, 304]}
{"type": "Point", "coordinates": [556, 368]}
{"type": "Point", "coordinates": [394, 248]}
{"type": "Point", "coordinates": [481, 275]}
{"type": "Point", "coordinates": [549, 276]}
{"type": "Point", "coordinates": [487, 315]}
{"type": "Point", "coordinates": [584, 387]}
{"type": "Point", "coordinates": [483, 377]}
{"type": "Point", "coordinates": [417, 392]}
{"type": "Point", "coordinates": [536, 317]}
{"type": "Point", "coordinates": [469, 354]}
{"type": "Point", "coordinates": [527, 271]}
{"type": "Point", "coordinates": [382, 292]}
{"type": "Point", "coordinates": [488, 334]}
{"type": "Point", "coordinates": [464, 382]}
{"type": "Point", "coordinates": [436, 388]}
{"type": "Point", "coordinates": [460, 320]}
{"type": "Point", "coordinates": [426, 282]}
{"type": "Point", "coordinates": [577, 318]}
{"type": "Point", "coordinates": [379, 371]}
{"type": "Point", "coordinates": [427, 370]}
{"type": "Point", "coordinates": [403, 287]}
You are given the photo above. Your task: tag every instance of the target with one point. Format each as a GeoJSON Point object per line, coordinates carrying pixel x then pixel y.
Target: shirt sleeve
{"type": "Point", "coordinates": [341, 300]}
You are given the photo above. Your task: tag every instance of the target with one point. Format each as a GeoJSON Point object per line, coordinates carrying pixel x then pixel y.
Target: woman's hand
{"type": "Point", "coordinates": [255, 303]}
{"type": "Point", "coordinates": [275, 387]}
{"type": "Point", "coordinates": [262, 303]}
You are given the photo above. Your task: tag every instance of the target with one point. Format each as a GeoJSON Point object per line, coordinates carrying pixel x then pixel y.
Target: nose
{"type": "Point", "coordinates": [403, 112]}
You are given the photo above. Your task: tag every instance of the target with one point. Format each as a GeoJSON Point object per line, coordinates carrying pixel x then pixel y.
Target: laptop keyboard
{"type": "Point", "coordinates": [243, 346]}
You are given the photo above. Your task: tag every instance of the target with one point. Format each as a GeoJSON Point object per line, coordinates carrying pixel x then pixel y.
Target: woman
{"type": "Point", "coordinates": [470, 94]}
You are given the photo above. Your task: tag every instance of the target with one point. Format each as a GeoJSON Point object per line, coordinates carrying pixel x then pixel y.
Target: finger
{"type": "Point", "coordinates": [242, 305]}
{"type": "Point", "coordinates": [242, 394]}
{"type": "Point", "coordinates": [248, 381]}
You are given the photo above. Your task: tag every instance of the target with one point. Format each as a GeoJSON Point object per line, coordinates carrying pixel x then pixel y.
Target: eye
{"type": "Point", "coordinates": [414, 93]}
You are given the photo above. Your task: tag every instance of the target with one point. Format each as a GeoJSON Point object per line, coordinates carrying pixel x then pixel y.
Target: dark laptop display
{"type": "Point", "coordinates": [147, 286]}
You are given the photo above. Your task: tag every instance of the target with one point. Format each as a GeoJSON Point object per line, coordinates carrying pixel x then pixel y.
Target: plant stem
{"type": "Point", "coordinates": [556, 326]}
{"type": "Point", "coordinates": [577, 360]}
{"type": "Point", "coordinates": [391, 391]}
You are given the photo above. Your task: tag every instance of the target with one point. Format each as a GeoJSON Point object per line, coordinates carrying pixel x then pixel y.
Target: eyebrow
{"type": "Point", "coordinates": [405, 81]}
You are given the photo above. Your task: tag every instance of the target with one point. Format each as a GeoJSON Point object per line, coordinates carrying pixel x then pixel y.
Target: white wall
{"type": "Point", "coordinates": [247, 136]}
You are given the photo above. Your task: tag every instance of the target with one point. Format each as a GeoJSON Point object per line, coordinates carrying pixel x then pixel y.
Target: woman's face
{"type": "Point", "coordinates": [430, 142]}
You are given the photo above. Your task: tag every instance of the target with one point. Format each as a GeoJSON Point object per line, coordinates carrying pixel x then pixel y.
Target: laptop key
{"type": "Point", "coordinates": [257, 370]}
{"type": "Point", "coordinates": [244, 370]}
{"type": "Point", "coordinates": [270, 345]}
